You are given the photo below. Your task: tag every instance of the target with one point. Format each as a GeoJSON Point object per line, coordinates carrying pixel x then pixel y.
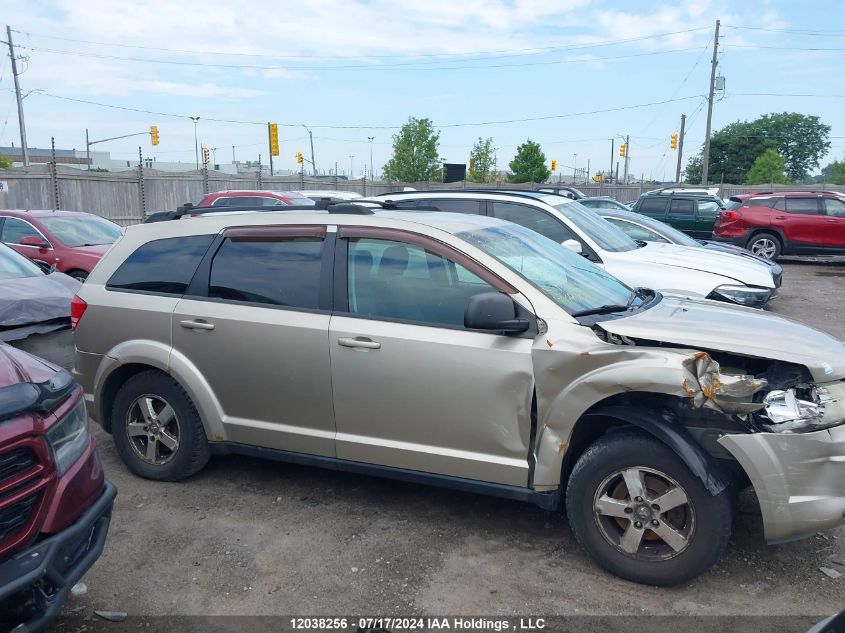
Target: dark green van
{"type": "Point", "coordinates": [694, 213]}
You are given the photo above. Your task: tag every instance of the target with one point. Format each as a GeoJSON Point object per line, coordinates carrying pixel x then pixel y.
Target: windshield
{"type": "Point", "coordinates": [14, 266]}
{"type": "Point", "coordinates": [670, 232]}
{"type": "Point", "coordinates": [568, 279]}
{"type": "Point", "coordinates": [602, 232]}
{"type": "Point", "coordinates": [83, 230]}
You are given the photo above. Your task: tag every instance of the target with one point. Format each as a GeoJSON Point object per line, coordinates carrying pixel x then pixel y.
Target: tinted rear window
{"type": "Point", "coordinates": [808, 206]}
{"type": "Point", "coordinates": [653, 206]}
{"type": "Point", "coordinates": [281, 273]}
{"type": "Point", "coordinates": [164, 266]}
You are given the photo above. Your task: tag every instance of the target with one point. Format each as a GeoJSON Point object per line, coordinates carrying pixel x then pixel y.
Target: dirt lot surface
{"type": "Point", "coordinates": [252, 537]}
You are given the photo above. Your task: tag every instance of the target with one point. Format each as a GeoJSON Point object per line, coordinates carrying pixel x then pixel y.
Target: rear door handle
{"type": "Point", "coordinates": [197, 324]}
{"type": "Point", "coordinates": [362, 342]}
{"type": "Point", "coordinates": [780, 217]}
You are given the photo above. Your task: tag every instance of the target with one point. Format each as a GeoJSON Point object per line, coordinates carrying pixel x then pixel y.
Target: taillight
{"type": "Point", "coordinates": [77, 309]}
{"type": "Point", "coordinates": [731, 216]}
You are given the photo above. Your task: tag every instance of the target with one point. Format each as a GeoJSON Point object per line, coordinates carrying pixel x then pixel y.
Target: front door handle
{"type": "Point", "coordinates": [362, 342]}
{"type": "Point", "coordinates": [197, 324]}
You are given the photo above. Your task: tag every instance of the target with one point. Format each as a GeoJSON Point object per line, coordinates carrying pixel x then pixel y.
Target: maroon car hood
{"type": "Point", "coordinates": [17, 367]}
{"type": "Point", "coordinates": [94, 251]}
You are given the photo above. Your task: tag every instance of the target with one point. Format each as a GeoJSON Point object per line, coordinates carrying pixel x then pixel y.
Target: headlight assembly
{"type": "Point", "coordinates": [69, 437]}
{"type": "Point", "coordinates": [804, 408]}
{"type": "Point", "coordinates": [743, 295]}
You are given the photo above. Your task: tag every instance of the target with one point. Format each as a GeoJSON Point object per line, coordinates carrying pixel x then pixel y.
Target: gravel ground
{"type": "Point", "coordinates": [249, 537]}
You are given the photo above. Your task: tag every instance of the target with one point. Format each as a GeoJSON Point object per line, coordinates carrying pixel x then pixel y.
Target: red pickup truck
{"type": "Point", "coordinates": [55, 504]}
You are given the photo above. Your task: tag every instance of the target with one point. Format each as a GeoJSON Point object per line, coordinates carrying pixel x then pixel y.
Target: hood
{"type": "Point", "coordinates": [96, 251]}
{"type": "Point", "coordinates": [738, 250]}
{"type": "Point", "coordinates": [17, 366]}
{"type": "Point", "coordinates": [36, 299]}
{"type": "Point", "coordinates": [742, 269]}
{"type": "Point", "coordinates": [713, 325]}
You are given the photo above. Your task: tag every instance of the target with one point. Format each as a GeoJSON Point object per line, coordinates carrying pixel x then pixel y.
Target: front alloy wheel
{"type": "Point", "coordinates": [153, 429]}
{"type": "Point", "coordinates": [640, 512]}
{"type": "Point", "coordinates": [644, 513]}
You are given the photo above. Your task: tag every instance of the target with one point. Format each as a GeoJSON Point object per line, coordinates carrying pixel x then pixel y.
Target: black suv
{"type": "Point", "coordinates": [693, 211]}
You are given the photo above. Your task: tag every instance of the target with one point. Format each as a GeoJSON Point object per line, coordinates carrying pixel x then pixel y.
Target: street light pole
{"type": "Point", "coordinates": [351, 166]}
{"type": "Point", "coordinates": [371, 139]}
{"type": "Point", "coordinates": [575, 168]}
{"type": "Point", "coordinates": [610, 171]}
{"type": "Point", "coordinates": [196, 143]}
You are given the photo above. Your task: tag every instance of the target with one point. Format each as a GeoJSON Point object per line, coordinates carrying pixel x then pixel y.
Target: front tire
{"type": "Point", "coordinates": [641, 514]}
{"type": "Point", "coordinates": [766, 245]}
{"type": "Point", "coordinates": [157, 430]}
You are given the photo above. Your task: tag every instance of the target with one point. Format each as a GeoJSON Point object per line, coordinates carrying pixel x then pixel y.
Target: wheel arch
{"type": "Point", "coordinates": [133, 357]}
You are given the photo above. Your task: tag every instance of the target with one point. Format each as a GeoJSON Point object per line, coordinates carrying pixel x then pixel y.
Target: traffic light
{"type": "Point", "coordinates": [623, 150]}
{"type": "Point", "coordinates": [471, 165]}
{"type": "Point", "coordinates": [205, 156]}
{"type": "Point", "coordinates": [273, 130]}
{"type": "Point", "coordinates": [674, 142]}
{"type": "Point", "coordinates": [554, 165]}
{"type": "Point", "coordinates": [299, 157]}
{"type": "Point", "coordinates": [154, 134]}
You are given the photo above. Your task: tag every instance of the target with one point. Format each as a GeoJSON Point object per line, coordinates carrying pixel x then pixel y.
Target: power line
{"type": "Point", "coordinates": [817, 32]}
{"type": "Point", "coordinates": [403, 65]}
{"type": "Point", "coordinates": [506, 52]}
{"type": "Point", "coordinates": [371, 127]}
{"type": "Point", "coordinates": [783, 48]}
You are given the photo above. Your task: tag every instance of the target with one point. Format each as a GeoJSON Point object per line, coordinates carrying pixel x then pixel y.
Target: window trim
{"type": "Point", "coordinates": [34, 228]}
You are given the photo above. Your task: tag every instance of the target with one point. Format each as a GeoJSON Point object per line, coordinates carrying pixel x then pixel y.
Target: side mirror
{"type": "Point", "coordinates": [573, 245]}
{"type": "Point", "coordinates": [494, 311]}
{"type": "Point", "coordinates": [33, 240]}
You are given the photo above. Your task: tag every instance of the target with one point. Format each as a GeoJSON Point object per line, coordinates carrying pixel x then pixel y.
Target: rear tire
{"type": "Point", "coordinates": [765, 245]}
{"type": "Point", "coordinates": [692, 528]}
{"type": "Point", "coordinates": [157, 430]}
{"type": "Point", "coordinates": [79, 275]}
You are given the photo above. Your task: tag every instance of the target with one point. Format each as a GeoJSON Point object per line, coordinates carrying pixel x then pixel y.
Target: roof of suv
{"type": "Point", "coordinates": [787, 194]}
{"type": "Point", "coordinates": [475, 194]}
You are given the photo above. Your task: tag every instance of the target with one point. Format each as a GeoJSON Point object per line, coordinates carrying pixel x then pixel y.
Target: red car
{"type": "Point", "coordinates": [55, 504]}
{"type": "Point", "coordinates": [238, 197]}
{"type": "Point", "coordinates": [71, 241]}
{"type": "Point", "coordinates": [785, 223]}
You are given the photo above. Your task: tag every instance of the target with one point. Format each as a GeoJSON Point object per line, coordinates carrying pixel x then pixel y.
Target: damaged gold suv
{"type": "Point", "coordinates": [468, 352]}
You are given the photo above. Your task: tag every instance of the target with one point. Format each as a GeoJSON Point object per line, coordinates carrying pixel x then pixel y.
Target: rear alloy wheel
{"type": "Point", "coordinates": [157, 430]}
{"type": "Point", "coordinates": [765, 245]}
{"type": "Point", "coordinates": [641, 514]}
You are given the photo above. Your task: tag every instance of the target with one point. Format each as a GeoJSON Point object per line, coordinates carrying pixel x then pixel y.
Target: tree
{"type": "Point", "coordinates": [529, 164]}
{"type": "Point", "coordinates": [834, 173]}
{"type": "Point", "coordinates": [692, 172]}
{"type": "Point", "coordinates": [768, 168]}
{"type": "Point", "coordinates": [800, 139]}
{"type": "Point", "coordinates": [415, 153]}
{"type": "Point", "coordinates": [5, 162]}
{"type": "Point", "coordinates": [483, 157]}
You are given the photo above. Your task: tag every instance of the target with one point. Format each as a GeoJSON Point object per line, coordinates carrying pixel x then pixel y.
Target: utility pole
{"type": "Point", "coordinates": [627, 154]}
{"type": "Point", "coordinates": [680, 149]}
{"type": "Point", "coordinates": [233, 154]}
{"type": "Point", "coordinates": [351, 166]}
{"type": "Point", "coordinates": [587, 177]}
{"type": "Point", "coordinates": [21, 123]}
{"type": "Point", "coordinates": [610, 171]}
{"type": "Point", "coordinates": [705, 157]}
{"type": "Point", "coordinates": [311, 138]}
{"type": "Point", "coordinates": [371, 139]}
{"type": "Point", "coordinates": [87, 150]}
{"type": "Point", "coordinates": [575, 168]}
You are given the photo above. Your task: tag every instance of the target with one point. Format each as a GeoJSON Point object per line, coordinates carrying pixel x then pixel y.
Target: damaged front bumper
{"type": "Point", "coordinates": [799, 479]}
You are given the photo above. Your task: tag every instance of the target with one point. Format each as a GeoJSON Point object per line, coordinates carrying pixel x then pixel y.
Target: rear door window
{"type": "Point", "coordinates": [278, 271]}
{"type": "Point", "coordinates": [472, 207]}
{"type": "Point", "coordinates": [655, 207]}
{"type": "Point", "coordinates": [682, 208]}
{"type": "Point", "coordinates": [162, 266]}
{"type": "Point", "coordinates": [708, 209]}
{"type": "Point", "coordinates": [806, 206]}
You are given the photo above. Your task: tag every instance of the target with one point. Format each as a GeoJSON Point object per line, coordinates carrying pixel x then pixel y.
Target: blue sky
{"type": "Point", "coordinates": [350, 70]}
